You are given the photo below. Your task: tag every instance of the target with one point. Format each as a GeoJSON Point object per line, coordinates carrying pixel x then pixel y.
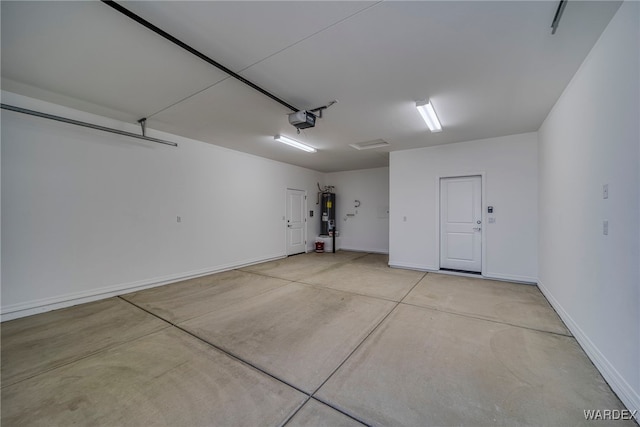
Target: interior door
{"type": "Point", "coordinates": [461, 223]}
{"type": "Point", "coordinates": [296, 221]}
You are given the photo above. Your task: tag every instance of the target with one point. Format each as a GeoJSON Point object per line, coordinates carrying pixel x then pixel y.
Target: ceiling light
{"type": "Point", "coordinates": [294, 143]}
{"type": "Point", "coordinates": [367, 145]}
{"type": "Point", "coordinates": [429, 115]}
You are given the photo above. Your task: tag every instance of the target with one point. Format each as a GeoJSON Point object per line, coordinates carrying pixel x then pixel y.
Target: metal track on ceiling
{"type": "Point", "coordinates": [558, 15]}
{"type": "Point", "coordinates": [195, 52]}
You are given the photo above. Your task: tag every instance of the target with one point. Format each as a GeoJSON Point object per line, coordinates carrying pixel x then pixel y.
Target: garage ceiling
{"type": "Point", "coordinates": [490, 68]}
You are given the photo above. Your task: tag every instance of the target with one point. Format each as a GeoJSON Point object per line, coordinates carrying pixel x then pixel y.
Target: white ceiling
{"type": "Point", "coordinates": [490, 68]}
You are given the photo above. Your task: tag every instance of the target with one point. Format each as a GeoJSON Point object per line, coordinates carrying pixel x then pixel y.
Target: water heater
{"type": "Point", "coordinates": [328, 213]}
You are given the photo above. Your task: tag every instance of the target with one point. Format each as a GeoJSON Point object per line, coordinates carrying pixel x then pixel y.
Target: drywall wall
{"type": "Point", "coordinates": [88, 214]}
{"type": "Point", "coordinates": [509, 169]}
{"type": "Point", "coordinates": [366, 227]}
{"type": "Point", "coordinates": [591, 138]}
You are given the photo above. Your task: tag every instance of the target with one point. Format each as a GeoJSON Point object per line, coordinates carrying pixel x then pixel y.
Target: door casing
{"type": "Point", "coordinates": [483, 186]}
{"type": "Point", "coordinates": [291, 227]}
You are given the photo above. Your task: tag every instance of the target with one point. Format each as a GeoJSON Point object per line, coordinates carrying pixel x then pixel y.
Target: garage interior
{"type": "Point", "coordinates": [167, 260]}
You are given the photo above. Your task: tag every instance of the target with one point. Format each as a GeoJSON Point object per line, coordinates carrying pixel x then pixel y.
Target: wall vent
{"type": "Point", "coordinates": [367, 145]}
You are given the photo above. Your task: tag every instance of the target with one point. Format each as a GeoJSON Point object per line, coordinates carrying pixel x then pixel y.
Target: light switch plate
{"type": "Point", "coordinates": [605, 227]}
{"type": "Point", "coordinates": [605, 191]}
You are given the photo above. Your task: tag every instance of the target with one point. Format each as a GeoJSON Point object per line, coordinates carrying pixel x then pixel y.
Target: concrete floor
{"type": "Point", "coordinates": [310, 340]}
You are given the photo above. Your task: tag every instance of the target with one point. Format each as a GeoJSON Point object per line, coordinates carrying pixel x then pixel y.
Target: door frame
{"type": "Point", "coordinates": [286, 213]}
{"type": "Point", "coordinates": [466, 174]}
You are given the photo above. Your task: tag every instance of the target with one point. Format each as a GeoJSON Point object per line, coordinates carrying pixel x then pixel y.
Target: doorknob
{"type": "Point", "coordinates": [478, 222]}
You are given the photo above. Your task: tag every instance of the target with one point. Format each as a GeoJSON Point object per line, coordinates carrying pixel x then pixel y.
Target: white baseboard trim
{"type": "Point", "coordinates": [29, 308]}
{"type": "Point", "coordinates": [493, 276]}
{"type": "Point", "coordinates": [373, 251]}
{"type": "Point", "coordinates": [408, 266]}
{"type": "Point", "coordinates": [629, 397]}
{"type": "Point", "coordinates": [501, 278]}
{"type": "Point", "coordinates": [512, 278]}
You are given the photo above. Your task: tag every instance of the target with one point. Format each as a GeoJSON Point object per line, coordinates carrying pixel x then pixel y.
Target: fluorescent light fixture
{"type": "Point", "coordinates": [294, 143]}
{"type": "Point", "coordinates": [429, 115]}
{"type": "Point", "coordinates": [367, 145]}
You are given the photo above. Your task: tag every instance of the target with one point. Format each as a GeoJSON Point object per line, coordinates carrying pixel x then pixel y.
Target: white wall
{"type": "Point", "coordinates": [509, 167]}
{"type": "Point", "coordinates": [87, 214]}
{"type": "Point", "coordinates": [368, 228]}
{"type": "Point", "coordinates": [591, 138]}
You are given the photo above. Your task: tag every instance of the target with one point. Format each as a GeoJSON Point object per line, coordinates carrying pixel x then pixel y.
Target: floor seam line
{"type": "Point", "coordinates": [353, 417]}
{"type": "Point", "coordinates": [413, 287]}
{"type": "Point", "coordinates": [289, 282]}
{"type": "Point", "coordinates": [290, 417]}
{"type": "Point", "coordinates": [324, 287]}
{"type": "Point", "coordinates": [288, 420]}
{"type": "Point", "coordinates": [470, 316]}
{"type": "Point", "coordinates": [301, 281]}
{"type": "Point", "coordinates": [102, 350]}
{"type": "Point", "coordinates": [375, 328]}
{"type": "Point", "coordinates": [337, 264]}
{"type": "Point", "coordinates": [355, 349]}
{"type": "Point", "coordinates": [222, 350]}
{"type": "Point", "coordinates": [262, 274]}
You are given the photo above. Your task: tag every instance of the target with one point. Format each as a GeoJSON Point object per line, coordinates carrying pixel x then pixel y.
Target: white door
{"type": "Point", "coordinates": [296, 221]}
{"type": "Point", "coordinates": [461, 223]}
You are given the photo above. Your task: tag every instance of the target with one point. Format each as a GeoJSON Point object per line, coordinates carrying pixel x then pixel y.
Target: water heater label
{"type": "Point", "coordinates": [329, 204]}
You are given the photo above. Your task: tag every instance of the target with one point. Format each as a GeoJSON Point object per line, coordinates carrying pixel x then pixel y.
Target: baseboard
{"type": "Point", "coordinates": [408, 266]}
{"type": "Point", "coordinates": [512, 278]}
{"type": "Point", "coordinates": [629, 397]}
{"type": "Point", "coordinates": [501, 278]}
{"type": "Point", "coordinates": [373, 251]}
{"type": "Point", "coordinates": [29, 308]}
{"type": "Point", "coordinates": [495, 276]}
